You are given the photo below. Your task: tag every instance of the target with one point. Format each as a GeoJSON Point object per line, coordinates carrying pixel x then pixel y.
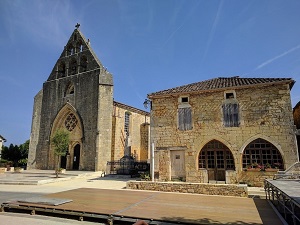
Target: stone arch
{"type": "Point", "coordinates": [67, 118]}
{"type": "Point", "coordinates": [61, 69]}
{"type": "Point", "coordinates": [201, 144]}
{"type": "Point", "coordinates": [262, 137]}
{"type": "Point", "coordinates": [261, 153]}
{"type": "Point", "coordinates": [216, 158]}
{"type": "Point", "coordinates": [73, 67]}
{"type": "Point", "coordinates": [79, 46]}
{"type": "Point", "coordinates": [83, 63]}
{"type": "Point", "coordinates": [69, 90]}
{"type": "Point", "coordinates": [70, 50]}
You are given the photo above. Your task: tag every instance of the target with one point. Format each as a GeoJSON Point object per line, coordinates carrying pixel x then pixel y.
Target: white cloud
{"type": "Point", "coordinates": [277, 57]}
{"type": "Point", "coordinates": [41, 20]}
{"type": "Point", "coordinates": [213, 29]}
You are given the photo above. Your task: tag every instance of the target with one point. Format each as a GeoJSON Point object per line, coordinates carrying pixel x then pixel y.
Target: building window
{"type": "Point", "coordinates": [231, 114]}
{"type": "Point", "coordinates": [216, 155]}
{"type": "Point", "coordinates": [127, 123]}
{"type": "Point", "coordinates": [184, 99]}
{"type": "Point", "coordinates": [71, 122]}
{"type": "Point", "coordinates": [70, 90]}
{"type": "Point", "coordinates": [185, 118]}
{"type": "Point", "coordinates": [261, 153]}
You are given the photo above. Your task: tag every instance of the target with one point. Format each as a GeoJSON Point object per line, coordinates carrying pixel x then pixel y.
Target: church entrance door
{"type": "Point", "coordinates": [76, 157]}
{"type": "Point", "coordinates": [63, 161]}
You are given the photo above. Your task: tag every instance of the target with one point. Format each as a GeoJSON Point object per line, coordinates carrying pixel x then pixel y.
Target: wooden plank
{"type": "Point", "coordinates": [188, 208]}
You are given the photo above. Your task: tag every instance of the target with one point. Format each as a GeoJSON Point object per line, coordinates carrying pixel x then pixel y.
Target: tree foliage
{"type": "Point", "coordinates": [60, 142]}
{"type": "Point", "coordinates": [16, 154]}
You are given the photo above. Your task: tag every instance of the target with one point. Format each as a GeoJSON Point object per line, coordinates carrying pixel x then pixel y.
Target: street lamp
{"type": "Point", "coordinates": [147, 103]}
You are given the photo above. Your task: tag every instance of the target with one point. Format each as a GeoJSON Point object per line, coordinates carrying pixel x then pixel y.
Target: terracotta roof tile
{"type": "Point", "coordinates": [221, 83]}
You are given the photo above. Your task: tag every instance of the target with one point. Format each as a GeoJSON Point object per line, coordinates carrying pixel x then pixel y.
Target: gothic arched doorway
{"type": "Point", "coordinates": [76, 157]}
{"type": "Point", "coordinates": [216, 158]}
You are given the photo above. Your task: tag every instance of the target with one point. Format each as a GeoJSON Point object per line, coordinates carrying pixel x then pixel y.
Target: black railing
{"type": "Point", "coordinates": [128, 167]}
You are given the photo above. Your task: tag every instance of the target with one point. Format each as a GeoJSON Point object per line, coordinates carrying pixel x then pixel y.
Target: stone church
{"type": "Point", "coordinates": [78, 97]}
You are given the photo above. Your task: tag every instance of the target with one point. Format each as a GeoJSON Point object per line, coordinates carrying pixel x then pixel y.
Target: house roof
{"type": "Point", "coordinates": [222, 83]}
{"type": "Point", "coordinates": [1, 137]}
{"type": "Point", "coordinates": [130, 108]}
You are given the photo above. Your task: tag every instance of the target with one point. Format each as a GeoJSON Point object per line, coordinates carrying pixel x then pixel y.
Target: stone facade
{"type": "Point", "coordinates": [264, 113]}
{"type": "Point", "coordinates": [136, 139]}
{"type": "Point", "coordinates": [78, 97]}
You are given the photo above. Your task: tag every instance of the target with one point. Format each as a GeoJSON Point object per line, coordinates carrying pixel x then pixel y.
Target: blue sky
{"type": "Point", "coordinates": [147, 45]}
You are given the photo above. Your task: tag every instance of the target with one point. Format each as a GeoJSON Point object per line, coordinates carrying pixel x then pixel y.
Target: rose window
{"type": "Point", "coordinates": [71, 122]}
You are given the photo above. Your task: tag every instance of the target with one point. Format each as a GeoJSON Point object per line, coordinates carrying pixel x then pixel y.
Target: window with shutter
{"type": "Point", "coordinates": [185, 118]}
{"type": "Point", "coordinates": [231, 114]}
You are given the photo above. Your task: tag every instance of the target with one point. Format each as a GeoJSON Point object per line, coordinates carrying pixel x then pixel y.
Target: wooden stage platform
{"type": "Point", "coordinates": [125, 206]}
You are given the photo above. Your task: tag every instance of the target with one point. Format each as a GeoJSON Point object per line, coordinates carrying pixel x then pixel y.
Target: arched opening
{"type": "Point", "coordinates": [76, 157]}
{"type": "Point", "coordinates": [73, 67]}
{"type": "Point", "coordinates": [61, 70]}
{"type": "Point", "coordinates": [83, 64]}
{"type": "Point", "coordinates": [261, 153]}
{"type": "Point", "coordinates": [67, 118]}
{"type": "Point", "coordinates": [70, 50]}
{"type": "Point", "coordinates": [79, 46]}
{"type": "Point", "coordinates": [216, 158]}
{"type": "Point", "coordinates": [69, 90]}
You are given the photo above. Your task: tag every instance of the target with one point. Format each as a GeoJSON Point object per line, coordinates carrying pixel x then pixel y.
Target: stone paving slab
{"type": "Point", "coordinates": [38, 177]}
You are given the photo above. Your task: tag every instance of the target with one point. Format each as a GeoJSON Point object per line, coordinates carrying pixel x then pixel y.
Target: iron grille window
{"type": "Point", "coordinates": [231, 114]}
{"type": "Point", "coordinates": [185, 118]}
{"type": "Point", "coordinates": [262, 153]}
{"type": "Point", "coordinates": [216, 155]}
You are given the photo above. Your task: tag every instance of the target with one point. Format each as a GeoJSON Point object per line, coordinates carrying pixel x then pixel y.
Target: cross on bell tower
{"type": "Point", "coordinates": [77, 25]}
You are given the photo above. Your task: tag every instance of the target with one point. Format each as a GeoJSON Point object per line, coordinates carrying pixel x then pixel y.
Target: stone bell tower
{"type": "Point", "coordinates": [77, 97]}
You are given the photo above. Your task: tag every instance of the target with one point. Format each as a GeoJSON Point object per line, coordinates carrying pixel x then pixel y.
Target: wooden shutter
{"type": "Point", "coordinates": [231, 115]}
{"type": "Point", "coordinates": [185, 118]}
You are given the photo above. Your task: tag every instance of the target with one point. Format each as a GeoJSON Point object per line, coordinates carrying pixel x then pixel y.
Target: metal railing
{"type": "Point", "coordinates": [128, 167]}
{"type": "Point", "coordinates": [286, 206]}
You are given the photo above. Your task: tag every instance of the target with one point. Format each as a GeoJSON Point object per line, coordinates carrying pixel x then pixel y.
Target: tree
{"type": "Point", "coordinates": [17, 154]}
{"type": "Point", "coordinates": [60, 141]}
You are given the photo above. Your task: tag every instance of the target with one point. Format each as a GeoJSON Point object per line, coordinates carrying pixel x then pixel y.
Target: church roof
{"type": "Point", "coordinates": [222, 83]}
{"type": "Point", "coordinates": [130, 108]}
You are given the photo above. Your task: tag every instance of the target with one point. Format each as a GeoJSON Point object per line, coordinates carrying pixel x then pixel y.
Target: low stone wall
{"type": "Point", "coordinates": [256, 178]}
{"type": "Point", "coordinates": [195, 188]}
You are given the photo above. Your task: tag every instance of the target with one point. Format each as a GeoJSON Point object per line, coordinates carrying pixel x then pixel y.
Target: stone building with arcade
{"type": "Point", "coordinates": [217, 130]}
{"type": "Point", "coordinates": [78, 97]}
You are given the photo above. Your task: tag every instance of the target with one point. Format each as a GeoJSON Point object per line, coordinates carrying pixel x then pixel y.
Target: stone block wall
{"type": "Point", "coordinates": [265, 112]}
{"type": "Point", "coordinates": [138, 132]}
{"type": "Point", "coordinates": [195, 188]}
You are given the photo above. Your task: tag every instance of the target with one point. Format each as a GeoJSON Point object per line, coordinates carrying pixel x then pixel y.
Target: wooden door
{"type": "Point", "coordinates": [177, 164]}
{"type": "Point", "coordinates": [76, 158]}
